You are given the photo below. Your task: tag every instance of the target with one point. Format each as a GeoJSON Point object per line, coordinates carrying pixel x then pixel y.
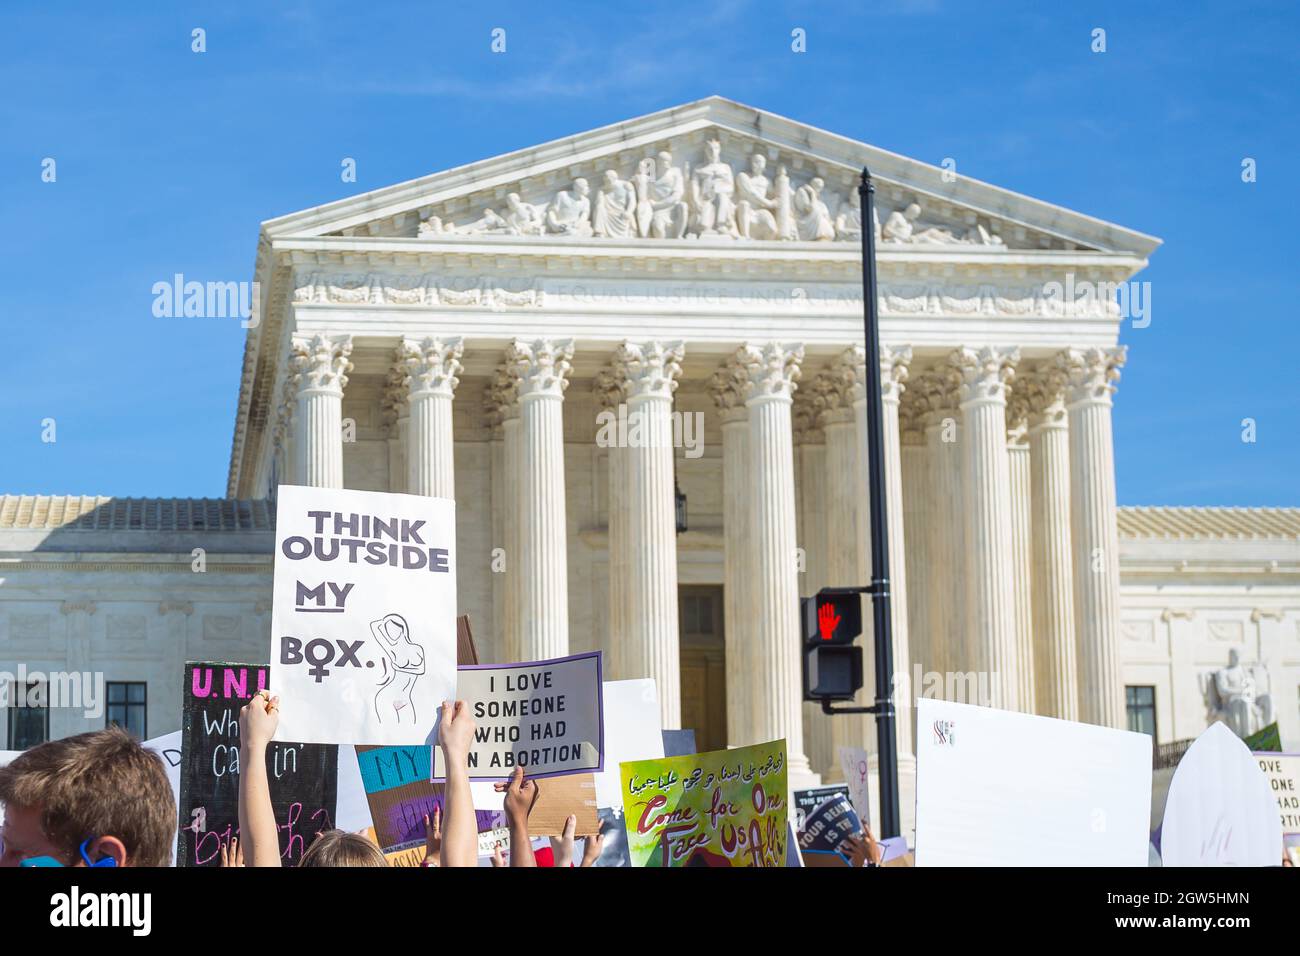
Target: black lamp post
{"type": "Point", "coordinates": [882, 612]}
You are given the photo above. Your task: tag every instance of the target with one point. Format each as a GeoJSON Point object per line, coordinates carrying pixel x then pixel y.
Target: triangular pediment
{"type": "Point", "coordinates": [713, 170]}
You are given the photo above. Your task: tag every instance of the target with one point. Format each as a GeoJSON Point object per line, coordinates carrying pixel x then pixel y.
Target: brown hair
{"type": "Point", "coordinates": [340, 848]}
{"type": "Point", "coordinates": [103, 783]}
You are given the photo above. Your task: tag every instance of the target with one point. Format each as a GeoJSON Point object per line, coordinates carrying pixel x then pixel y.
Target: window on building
{"type": "Point", "coordinates": [127, 703]}
{"type": "Point", "coordinates": [29, 715]}
{"type": "Point", "coordinates": [1141, 704]}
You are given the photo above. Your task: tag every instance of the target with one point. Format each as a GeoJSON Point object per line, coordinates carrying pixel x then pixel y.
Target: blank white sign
{"type": "Point", "coordinates": [996, 788]}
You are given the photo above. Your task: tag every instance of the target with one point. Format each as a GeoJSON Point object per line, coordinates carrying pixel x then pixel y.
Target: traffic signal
{"type": "Point", "coordinates": [832, 662]}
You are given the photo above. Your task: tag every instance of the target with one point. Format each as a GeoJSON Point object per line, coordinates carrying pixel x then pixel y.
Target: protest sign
{"type": "Point", "coordinates": [168, 746]}
{"type": "Point", "coordinates": [863, 781]}
{"type": "Point", "coordinates": [303, 778]}
{"type": "Point", "coordinates": [717, 809]}
{"type": "Point", "coordinates": [1283, 773]}
{"type": "Point", "coordinates": [613, 850]}
{"type": "Point", "coordinates": [631, 717]}
{"type": "Point", "coordinates": [826, 829]}
{"type": "Point", "coordinates": [678, 743]}
{"type": "Point", "coordinates": [1220, 810]}
{"type": "Point", "coordinates": [363, 615]}
{"type": "Point", "coordinates": [806, 801]}
{"type": "Point", "coordinates": [996, 788]}
{"type": "Point", "coordinates": [543, 715]}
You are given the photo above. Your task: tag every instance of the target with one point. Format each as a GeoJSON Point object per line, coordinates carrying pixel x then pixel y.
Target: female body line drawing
{"type": "Point", "coordinates": [402, 663]}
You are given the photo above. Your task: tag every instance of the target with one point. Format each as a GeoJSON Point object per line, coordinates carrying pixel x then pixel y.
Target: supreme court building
{"type": "Point", "coordinates": [696, 275]}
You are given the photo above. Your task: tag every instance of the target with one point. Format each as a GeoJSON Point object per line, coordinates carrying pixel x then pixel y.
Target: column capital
{"type": "Point", "coordinates": [395, 402]}
{"type": "Point", "coordinates": [1043, 388]}
{"type": "Point", "coordinates": [321, 362]}
{"type": "Point", "coordinates": [729, 387]}
{"type": "Point", "coordinates": [985, 372]}
{"type": "Point", "coordinates": [912, 411]}
{"type": "Point", "coordinates": [541, 367]}
{"type": "Point", "coordinates": [175, 607]}
{"type": "Point", "coordinates": [432, 364]}
{"type": "Point", "coordinates": [807, 418]}
{"type": "Point", "coordinates": [1017, 414]}
{"type": "Point", "coordinates": [773, 370]}
{"type": "Point", "coordinates": [649, 369]}
{"type": "Point", "coordinates": [937, 393]}
{"type": "Point", "coordinates": [894, 363]}
{"type": "Point", "coordinates": [286, 411]}
{"type": "Point", "coordinates": [1092, 373]}
{"type": "Point", "coordinates": [501, 397]}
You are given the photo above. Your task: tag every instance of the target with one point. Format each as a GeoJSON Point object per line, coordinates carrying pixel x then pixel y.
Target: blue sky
{"type": "Point", "coordinates": [167, 161]}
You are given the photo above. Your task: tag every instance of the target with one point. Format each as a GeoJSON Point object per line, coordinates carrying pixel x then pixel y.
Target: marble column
{"type": "Point", "coordinates": [542, 368]}
{"type": "Point", "coordinates": [503, 416]}
{"type": "Point", "coordinates": [1095, 535]}
{"type": "Point", "coordinates": [321, 363]}
{"type": "Point", "coordinates": [918, 510]}
{"type": "Point", "coordinates": [395, 407]}
{"type": "Point", "coordinates": [894, 362]}
{"type": "Point", "coordinates": [774, 665]}
{"type": "Point", "coordinates": [938, 390]}
{"type": "Point", "coordinates": [433, 364]}
{"type": "Point", "coordinates": [285, 436]}
{"type": "Point", "coordinates": [846, 507]}
{"type": "Point", "coordinates": [611, 393]}
{"type": "Point", "coordinates": [1021, 547]}
{"type": "Point", "coordinates": [814, 519]}
{"type": "Point", "coordinates": [729, 387]}
{"type": "Point", "coordinates": [986, 481]}
{"type": "Point", "coordinates": [650, 371]}
{"type": "Point", "coordinates": [1052, 577]}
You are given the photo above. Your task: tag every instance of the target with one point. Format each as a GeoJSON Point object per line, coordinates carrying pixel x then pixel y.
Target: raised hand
{"type": "Point", "coordinates": [827, 621]}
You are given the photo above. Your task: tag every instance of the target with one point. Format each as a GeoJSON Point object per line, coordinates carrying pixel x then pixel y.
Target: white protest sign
{"type": "Point", "coordinates": [996, 788]}
{"type": "Point", "coordinates": [543, 715]}
{"type": "Point", "coordinates": [1220, 811]}
{"type": "Point", "coordinates": [1283, 773]}
{"type": "Point", "coordinates": [168, 746]}
{"type": "Point", "coordinates": [363, 616]}
{"type": "Point", "coordinates": [863, 780]}
{"type": "Point", "coordinates": [632, 732]}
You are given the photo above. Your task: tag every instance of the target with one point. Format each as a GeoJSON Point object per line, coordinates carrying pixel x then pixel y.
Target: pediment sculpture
{"type": "Point", "coordinates": [661, 199]}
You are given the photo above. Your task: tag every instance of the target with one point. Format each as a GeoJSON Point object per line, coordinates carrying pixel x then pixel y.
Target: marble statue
{"type": "Point", "coordinates": [569, 213]}
{"type": "Point", "coordinates": [667, 203]}
{"type": "Point", "coordinates": [643, 182]}
{"type": "Point", "coordinates": [785, 225]}
{"type": "Point", "coordinates": [848, 224]}
{"type": "Point", "coordinates": [615, 211]}
{"type": "Point", "coordinates": [712, 188]}
{"type": "Point", "coordinates": [902, 226]}
{"type": "Point", "coordinates": [523, 219]}
{"type": "Point", "coordinates": [755, 209]}
{"type": "Point", "coordinates": [433, 226]}
{"type": "Point", "coordinates": [1237, 695]}
{"type": "Point", "coordinates": [813, 218]}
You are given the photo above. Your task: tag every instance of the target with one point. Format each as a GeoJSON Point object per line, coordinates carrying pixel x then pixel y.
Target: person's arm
{"type": "Point", "coordinates": [257, 722]}
{"type": "Point", "coordinates": [591, 849]}
{"type": "Point", "coordinates": [459, 829]}
{"type": "Point", "coordinates": [433, 838]}
{"type": "Point", "coordinates": [520, 794]}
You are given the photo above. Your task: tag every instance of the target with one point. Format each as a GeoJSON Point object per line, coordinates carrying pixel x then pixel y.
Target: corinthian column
{"type": "Point", "coordinates": [938, 395]}
{"type": "Point", "coordinates": [1053, 567]}
{"type": "Point", "coordinates": [542, 368]}
{"type": "Point", "coordinates": [1018, 465]}
{"type": "Point", "coordinates": [650, 371]}
{"type": "Point", "coordinates": [986, 478]}
{"type": "Point", "coordinates": [395, 411]}
{"type": "Point", "coordinates": [321, 364]}
{"type": "Point", "coordinates": [503, 414]}
{"type": "Point", "coordinates": [729, 386]}
{"type": "Point", "coordinates": [1095, 535]}
{"type": "Point", "coordinates": [433, 365]}
{"type": "Point", "coordinates": [918, 509]}
{"type": "Point", "coordinates": [610, 387]}
{"type": "Point", "coordinates": [774, 665]}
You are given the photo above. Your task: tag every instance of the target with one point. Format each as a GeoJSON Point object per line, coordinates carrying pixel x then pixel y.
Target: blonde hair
{"type": "Point", "coordinates": [340, 848]}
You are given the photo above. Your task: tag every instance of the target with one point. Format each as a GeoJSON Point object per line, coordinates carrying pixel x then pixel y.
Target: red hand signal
{"type": "Point", "coordinates": [827, 621]}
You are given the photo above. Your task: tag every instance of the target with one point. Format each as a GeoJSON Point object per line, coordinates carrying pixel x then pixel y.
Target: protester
{"type": "Point", "coordinates": [232, 854]}
{"type": "Point", "coordinates": [94, 799]}
{"type": "Point", "coordinates": [520, 795]}
{"type": "Point", "coordinates": [864, 850]}
{"type": "Point", "coordinates": [458, 841]}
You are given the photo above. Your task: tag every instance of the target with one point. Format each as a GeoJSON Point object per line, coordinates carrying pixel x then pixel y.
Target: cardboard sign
{"type": "Point", "coordinates": [363, 615]}
{"type": "Point", "coordinates": [303, 778]}
{"type": "Point", "coordinates": [828, 827]}
{"type": "Point", "coordinates": [168, 746]}
{"type": "Point", "coordinates": [996, 788]}
{"type": "Point", "coordinates": [545, 716]}
{"type": "Point", "coordinates": [1220, 810]}
{"type": "Point", "coordinates": [719, 809]}
{"type": "Point", "coordinates": [806, 801]}
{"type": "Point", "coordinates": [1283, 773]}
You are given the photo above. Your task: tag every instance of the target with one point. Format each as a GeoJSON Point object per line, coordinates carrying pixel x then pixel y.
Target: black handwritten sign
{"type": "Point", "coordinates": [303, 777]}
